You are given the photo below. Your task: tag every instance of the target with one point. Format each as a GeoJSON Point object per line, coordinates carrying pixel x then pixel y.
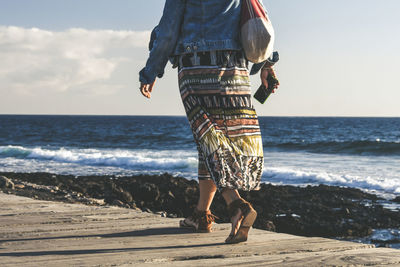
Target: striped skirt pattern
{"type": "Point", "coordinates": [217, 101]}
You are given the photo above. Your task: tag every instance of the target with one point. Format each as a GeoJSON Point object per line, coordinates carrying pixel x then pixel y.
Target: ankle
{"type": "Point", "coordinates": [202, 208]}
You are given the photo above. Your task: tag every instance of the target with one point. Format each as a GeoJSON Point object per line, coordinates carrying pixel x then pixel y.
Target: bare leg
{"type": "Point", "coordinates": [207, 192]}
{"type": "Point", "coordinates": [230, 195]}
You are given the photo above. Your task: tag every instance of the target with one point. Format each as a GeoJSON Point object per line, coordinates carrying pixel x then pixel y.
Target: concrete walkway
{"type": "Point", "coordinates": [42, 233]}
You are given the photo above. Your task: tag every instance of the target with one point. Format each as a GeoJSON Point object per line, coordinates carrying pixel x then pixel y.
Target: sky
{"type": "Point", "coordinates": [338, 58]}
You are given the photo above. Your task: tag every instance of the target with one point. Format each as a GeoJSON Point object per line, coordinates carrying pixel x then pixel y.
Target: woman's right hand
{"type": "Point", "coordinates": [264, 75]}
{"type": "Point", "coordinates": [146, 89]}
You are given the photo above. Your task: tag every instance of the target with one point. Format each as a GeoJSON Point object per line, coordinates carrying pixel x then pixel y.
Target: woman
{"type": "Point", "coordinates": [201, 38]}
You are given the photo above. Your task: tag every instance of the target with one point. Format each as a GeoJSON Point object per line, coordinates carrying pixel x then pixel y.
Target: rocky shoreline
{"type": "Point", "coordinates": [325, 211]}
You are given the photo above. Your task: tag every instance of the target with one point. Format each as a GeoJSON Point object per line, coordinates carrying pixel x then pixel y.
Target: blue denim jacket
{"type": "Point", "coordinates": [189, 26]}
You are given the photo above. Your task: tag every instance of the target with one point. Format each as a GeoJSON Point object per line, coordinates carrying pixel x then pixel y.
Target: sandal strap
{"type": "Point", "coordinates": [234, 206]}
{"type": "Point", "coordinates": [210, 218]}
{"type": "Point", "coordinates": [198, 215]}
{"type": "Point", "coordinates": [241, 204]}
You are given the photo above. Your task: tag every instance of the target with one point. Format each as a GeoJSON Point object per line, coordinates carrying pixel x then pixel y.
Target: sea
{"type": "Point", "coordinates": [342, 151]}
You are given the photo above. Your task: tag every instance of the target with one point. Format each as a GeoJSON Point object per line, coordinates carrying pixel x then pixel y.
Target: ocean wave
{"type": "Point", "coordinates": [360, 172]}
{"type": "Point", "coordinates": [376, 147]}
{"type": "Point", "coordinates": [137, 159]}
{"type": "Point", "coordinates": [281, 175]}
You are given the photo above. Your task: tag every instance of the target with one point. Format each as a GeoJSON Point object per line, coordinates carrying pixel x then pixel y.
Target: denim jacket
{"type": "Point", "coordinates": [190, 26]}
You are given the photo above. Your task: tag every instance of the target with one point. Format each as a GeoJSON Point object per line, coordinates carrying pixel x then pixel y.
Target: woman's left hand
{"type": "Point", "coordinates": [146, 89]}
{"type": "Point", "coordinates": [264, 75]}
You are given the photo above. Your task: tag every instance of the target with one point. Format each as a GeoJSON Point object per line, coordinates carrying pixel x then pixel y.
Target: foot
{"type": "Point", "coordinates": [236, 220]}
{"type": "Point", "coordinates": [189, 222]}
{"type": "Point", "coordinates": [200, 221]}
{"type": "Point", "coordinates": [243, 216]}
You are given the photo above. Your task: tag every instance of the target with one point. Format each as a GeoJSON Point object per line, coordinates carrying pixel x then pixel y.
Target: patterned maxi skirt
{"type": "Point", "coordinates": [217, 101]}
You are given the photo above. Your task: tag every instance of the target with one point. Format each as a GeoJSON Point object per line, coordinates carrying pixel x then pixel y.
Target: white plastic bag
{"type": "Point", "coordinates": [257, 33]}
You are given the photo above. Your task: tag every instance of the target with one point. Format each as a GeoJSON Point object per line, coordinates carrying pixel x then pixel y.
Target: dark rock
{"type": "Point", "coordinates": [126, 196]}
{"type": "Point", "coordinates": [288, 224]}
{"type": "Point", "coordinates": [6, 183]}
{"type": "Point", "coordinates": [396, 199]}
{"type": "Point", "coordinates": [269, 226]}
{"type": "Point", "coordinates": [148, 192]}
{"type": "Point", "coordinates": [132, 205]}
{"type": "Point", "coordinates": [117, 202]}
{"type": "Point", "coordinates": [114, 192]}
{"type": "Point", "coordinates": [170, 194]}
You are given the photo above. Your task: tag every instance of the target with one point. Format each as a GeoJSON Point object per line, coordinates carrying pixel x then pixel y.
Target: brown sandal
{"type": "Point", "coordinates": [249, 215]}
{"type": "Point", "coordinates": [200, 221]}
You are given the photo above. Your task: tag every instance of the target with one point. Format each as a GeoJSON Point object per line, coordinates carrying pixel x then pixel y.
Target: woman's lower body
{"type": "Point", "coordinates": [216, 93]}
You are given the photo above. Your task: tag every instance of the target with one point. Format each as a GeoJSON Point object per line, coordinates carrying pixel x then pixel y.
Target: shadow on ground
{"type": "Point", "coordinates": [146, 232]}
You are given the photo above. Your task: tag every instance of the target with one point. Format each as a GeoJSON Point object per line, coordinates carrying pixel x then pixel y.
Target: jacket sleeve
{"type": "Point", "coordinates": [274, 58]}
{"type": "Point", "coordinates": [164, 38]}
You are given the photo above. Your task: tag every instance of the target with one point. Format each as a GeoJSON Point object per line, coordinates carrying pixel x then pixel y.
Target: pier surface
{"type": "Point", "coordinates": [44, 233]}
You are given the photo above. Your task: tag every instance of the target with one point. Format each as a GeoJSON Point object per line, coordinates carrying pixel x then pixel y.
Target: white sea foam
{"type": "Point", "coordinates": [299, 177]}
{"type": "Point", "coordinates": [377, 175]}
{"type": "Point", "coordinates": [131, 159]}
{"type": "Point", "coordinates": [380, 175]}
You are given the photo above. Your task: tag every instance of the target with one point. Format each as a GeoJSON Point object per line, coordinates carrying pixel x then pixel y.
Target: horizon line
{"type": "Point", "coordinates": [126, 115]}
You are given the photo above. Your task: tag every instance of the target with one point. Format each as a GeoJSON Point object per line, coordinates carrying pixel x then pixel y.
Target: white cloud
{"type": "Point", "coordinates": [39, 61]}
